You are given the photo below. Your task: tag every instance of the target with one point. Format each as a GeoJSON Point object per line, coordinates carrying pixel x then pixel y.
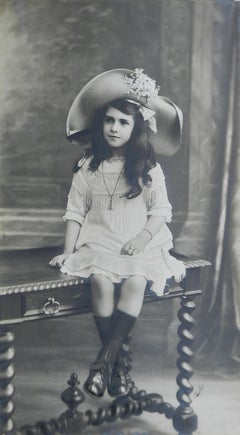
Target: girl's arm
{"type": "Point", "coordinates": [159, 211]}
{"type": "Point", "coordinates": [139, 242]}
{"type": "Point", "coordinates": [71, 236]}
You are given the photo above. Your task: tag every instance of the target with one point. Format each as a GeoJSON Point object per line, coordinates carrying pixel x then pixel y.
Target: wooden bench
{"type": "Point", "coordinates": [31, 290]}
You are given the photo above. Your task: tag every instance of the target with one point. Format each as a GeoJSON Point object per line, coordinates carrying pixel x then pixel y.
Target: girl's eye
{"type": "Point", "coordinates": [108, 119]}
{"type": "Point", "coordinates": [124, 121]}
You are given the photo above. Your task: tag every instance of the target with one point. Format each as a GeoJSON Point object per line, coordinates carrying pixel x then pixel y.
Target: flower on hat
{"type": "Point", "coordinates": [141, 85]}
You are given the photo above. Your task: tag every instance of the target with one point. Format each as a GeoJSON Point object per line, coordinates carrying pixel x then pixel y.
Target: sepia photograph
{"type": "Point", "coordinates": [119, 217]}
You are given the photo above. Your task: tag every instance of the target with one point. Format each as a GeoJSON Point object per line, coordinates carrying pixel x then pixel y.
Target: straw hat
{"type": "Point", "coordinates": [131, 85]}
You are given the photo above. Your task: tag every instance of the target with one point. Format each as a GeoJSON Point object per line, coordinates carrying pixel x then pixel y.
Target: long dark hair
{"type": "Point", "coordinates": [139, 154]}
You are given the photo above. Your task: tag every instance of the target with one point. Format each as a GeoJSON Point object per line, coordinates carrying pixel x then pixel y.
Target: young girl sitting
{"type": "Point", "coordinates": [117, 209]}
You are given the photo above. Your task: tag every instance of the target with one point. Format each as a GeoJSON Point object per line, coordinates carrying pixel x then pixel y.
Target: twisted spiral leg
{"type": "Point", "coordinates": [52, 427]}
{"type": "Point", "coordinates": [184, 418]}
{"type": "Point", "coordinates": [70, 422]}
{"type": "Point", "coordinates": [6, 375]}
{"type": "Point", "coordinates": [135, 403]}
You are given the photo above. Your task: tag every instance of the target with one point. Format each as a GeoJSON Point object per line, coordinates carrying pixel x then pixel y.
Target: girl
{"type": "Point", "coordinates": [117, 210]}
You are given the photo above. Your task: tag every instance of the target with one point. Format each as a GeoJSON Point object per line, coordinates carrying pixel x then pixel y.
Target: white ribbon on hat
{"type": "Point", "coordinates": [147, 114]}
{"type": "Point", "coordinates": [149, 117]}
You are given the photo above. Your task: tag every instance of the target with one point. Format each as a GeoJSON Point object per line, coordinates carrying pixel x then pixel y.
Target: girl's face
{"type": "Point", "coordinates": [117, 128]}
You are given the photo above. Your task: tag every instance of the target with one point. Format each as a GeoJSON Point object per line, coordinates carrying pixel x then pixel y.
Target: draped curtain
{"type": "Point", "coordinates": [218, 319]}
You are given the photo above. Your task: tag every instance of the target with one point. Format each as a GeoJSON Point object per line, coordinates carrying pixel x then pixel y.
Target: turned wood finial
{"type": "Point", "coordinates": [73, 396]}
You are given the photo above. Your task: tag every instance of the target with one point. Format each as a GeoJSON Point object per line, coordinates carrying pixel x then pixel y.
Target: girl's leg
{"type": "Point", "coordinates": [102, 292]}
{"type": "Point", "coordinates": [129, 307]}
{"type": "Point", "coordinates": [123, 323]}
{"type": "Point", "coordinates": [102, 295]}
{"type": "Point", "coordinates": [131, 296]}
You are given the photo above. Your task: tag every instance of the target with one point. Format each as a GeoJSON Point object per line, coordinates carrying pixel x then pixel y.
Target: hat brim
{"type": "Point", "coordinates": [111, 85]}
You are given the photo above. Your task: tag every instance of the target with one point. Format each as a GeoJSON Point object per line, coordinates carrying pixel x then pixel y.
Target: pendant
{"type": "Point", "coordinates": [110, 203]}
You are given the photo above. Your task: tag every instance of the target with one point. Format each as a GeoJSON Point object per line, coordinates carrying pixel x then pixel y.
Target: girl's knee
{"type": "Point", "coordinates": [131, 296]}
{"type": "Point", "coordinates": [135, 284]}
{"type": "Point", "coordinates": [101, 284]}
{"type": "Point", "coordinates": [133, 288]}
{"type": "Point", "coordinates": [100, 280]}
{"type": "Point", "coordinates": [138, 281]}
{"type": "Point", "coordinates": [102, 293]}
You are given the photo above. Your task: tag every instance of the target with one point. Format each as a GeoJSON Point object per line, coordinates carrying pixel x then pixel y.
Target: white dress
{"type": "Point", "coordinates": [104, 231]}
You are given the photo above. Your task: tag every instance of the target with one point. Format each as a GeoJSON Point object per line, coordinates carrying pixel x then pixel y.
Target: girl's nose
{"type": "Point", "coordinates": [114, 127]}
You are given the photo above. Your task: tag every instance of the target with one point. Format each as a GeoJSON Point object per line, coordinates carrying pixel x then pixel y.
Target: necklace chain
{"type": "Point", "coordinates": [114, 189]}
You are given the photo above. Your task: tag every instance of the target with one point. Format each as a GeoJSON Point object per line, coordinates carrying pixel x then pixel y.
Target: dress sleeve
{"type": "Point", "coordinates": [157, 198]}
{"type": "Point", "coordinates": [78, 199]}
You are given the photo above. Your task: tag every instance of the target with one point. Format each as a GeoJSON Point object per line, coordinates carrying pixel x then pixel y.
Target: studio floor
{"type": "Point", "coordinates": [48, 353]}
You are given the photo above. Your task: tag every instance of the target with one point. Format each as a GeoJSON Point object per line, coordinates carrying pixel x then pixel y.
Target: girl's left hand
{"type": "Point", "coordinates": [136, 245]}
{"type": "Point", "coordinates": [58, 260]}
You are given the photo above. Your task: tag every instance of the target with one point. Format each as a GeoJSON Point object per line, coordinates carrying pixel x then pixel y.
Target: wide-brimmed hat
{"type": "Point", "coordinates": [131, 85]}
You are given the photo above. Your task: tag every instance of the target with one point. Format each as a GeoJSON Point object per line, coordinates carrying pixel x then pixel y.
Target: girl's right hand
{"type": "Point", "coordinates": [58, 260]}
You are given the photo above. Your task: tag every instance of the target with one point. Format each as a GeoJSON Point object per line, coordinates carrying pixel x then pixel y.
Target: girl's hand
{"type": "Point", "coordinates": [58, 260]}
{"type": "Point", "coordinates": [136, 245]}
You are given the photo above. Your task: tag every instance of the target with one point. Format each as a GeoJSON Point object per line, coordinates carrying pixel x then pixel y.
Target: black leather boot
{"type": "Point", "coordinates": [100, 374]}
{"type": "Point", "coordinates": [121, 381]}
{"type": "Point", "coordinates": [98, 379]}
{"type": "Point", "coordinates": [118, 385]}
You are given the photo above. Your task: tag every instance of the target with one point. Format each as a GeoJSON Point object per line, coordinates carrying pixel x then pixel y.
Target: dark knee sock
{"type": "Point", "coordinates": [104, 327]}
{"type": "Point", "coordinates": [123, 323]}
